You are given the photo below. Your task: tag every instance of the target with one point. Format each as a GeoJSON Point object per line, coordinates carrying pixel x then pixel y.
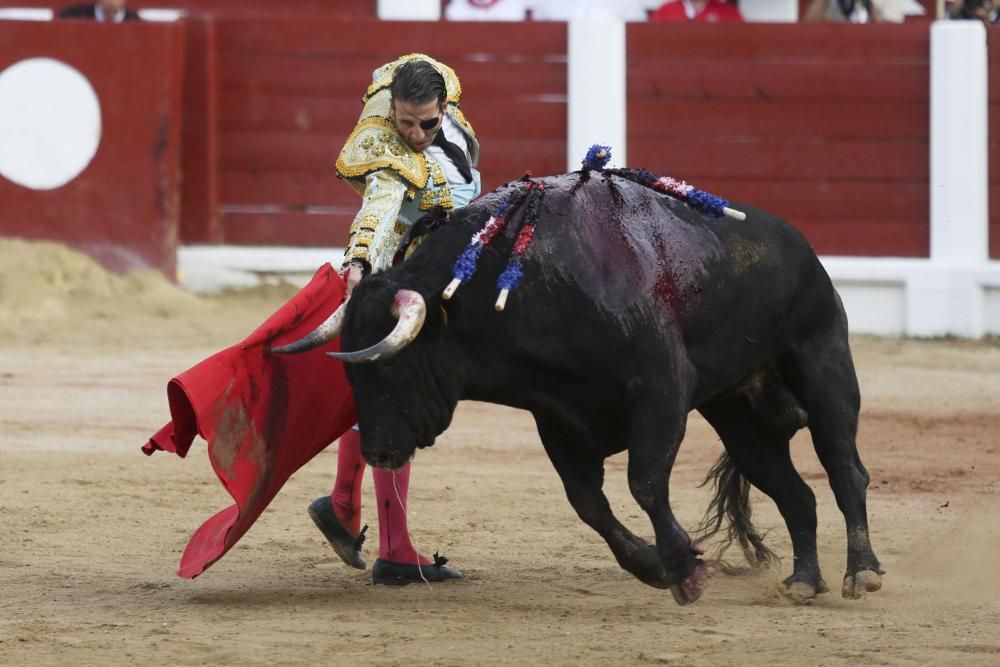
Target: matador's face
{"type": "Point", "coordinates": [418, 124]}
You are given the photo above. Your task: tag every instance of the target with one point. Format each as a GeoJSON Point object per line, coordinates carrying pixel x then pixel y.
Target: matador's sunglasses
{"type": "Point", "coordinates": [430, 123]}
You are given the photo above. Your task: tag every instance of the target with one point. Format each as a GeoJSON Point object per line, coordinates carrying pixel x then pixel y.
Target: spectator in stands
{"type": "Point", "coordinates": [104, 11]}
{"type": "Point", "coordinates": [486, 10]}
{"type": "Point", "coordinates": [984, 10]}
{"type": "Point", "coordinates": [411, 150]}
{"type": "Point", "coordinates": [856, 11]}
{"type": "Point", "coordinates": [706, 11]}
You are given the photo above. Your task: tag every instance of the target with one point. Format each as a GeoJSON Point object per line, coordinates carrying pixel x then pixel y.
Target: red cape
{"type": "Point", "coordinates": [264, 415]}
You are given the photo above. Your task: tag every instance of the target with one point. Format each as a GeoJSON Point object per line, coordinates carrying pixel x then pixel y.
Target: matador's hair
{"type": "Point", "coordinates": [418, 82]}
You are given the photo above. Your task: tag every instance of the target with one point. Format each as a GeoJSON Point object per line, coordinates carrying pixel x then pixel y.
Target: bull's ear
{"type": "Point", "coordinates": [416, 232]}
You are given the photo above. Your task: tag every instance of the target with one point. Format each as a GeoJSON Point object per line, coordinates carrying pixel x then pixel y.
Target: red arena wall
{"type": "Point", "coordinates": [289, 93]}
{"type": "Point", "coordinates": [826, 125]}
{"type": "Point", "coordinates": [123, 207]}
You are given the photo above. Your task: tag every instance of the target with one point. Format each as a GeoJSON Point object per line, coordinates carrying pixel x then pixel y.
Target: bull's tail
{"type": "Point", "coordinates": [732, 500]}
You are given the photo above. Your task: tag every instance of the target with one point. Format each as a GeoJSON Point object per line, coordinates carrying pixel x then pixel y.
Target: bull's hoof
{"type": "Point", "coordinates": [802, 592]}
{"type": "Point", "coordinates": [861, 582]}
{"type": "Point", "coordinates": [799, 592]}
{"type": "Point", "coordinates": [691, 588]}
{"type": "Point", "coordinates": [644, 564]}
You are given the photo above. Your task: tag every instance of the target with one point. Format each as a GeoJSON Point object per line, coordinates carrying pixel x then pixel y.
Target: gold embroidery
{"type": "Point", "coordinates": [374, 144]}
{"type": "Point", "coordinates": [437, 173]}
{"type": "Point", "coordinates": [459, 117]}
{"type": "Point", "coordinates": [378, 164]}
{"type": "Point", "coordinates": [373, 228]}
{"type": "Point", "coordinates": [432, 197]}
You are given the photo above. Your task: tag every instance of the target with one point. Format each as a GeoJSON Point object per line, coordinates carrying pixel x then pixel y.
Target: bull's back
{"type": "Point", "coordinates": [616, 265]}
{"type": "Point", "coordinates": [630, 247]}
{"type": "Point", "coordinates": [647, 264]}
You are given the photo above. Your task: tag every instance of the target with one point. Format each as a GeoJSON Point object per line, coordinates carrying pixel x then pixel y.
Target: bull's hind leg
{"type": "Point", "coordinates": [573, 453]}
{"type": "Point", "coordinates": [821, 374]}
{"type": "Point", "coordinates": [762, 456]}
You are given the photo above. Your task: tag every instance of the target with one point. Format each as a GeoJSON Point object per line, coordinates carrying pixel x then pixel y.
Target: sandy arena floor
{"type": "Point", "coordinates": [93, 530]}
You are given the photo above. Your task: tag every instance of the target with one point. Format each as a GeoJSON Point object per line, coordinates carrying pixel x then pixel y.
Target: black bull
{"type": "Point", "coordinates": [634, 309]}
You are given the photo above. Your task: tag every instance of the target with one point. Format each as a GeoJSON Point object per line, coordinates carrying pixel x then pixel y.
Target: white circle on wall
{"type": "Point", "coordinates": [50, 123]}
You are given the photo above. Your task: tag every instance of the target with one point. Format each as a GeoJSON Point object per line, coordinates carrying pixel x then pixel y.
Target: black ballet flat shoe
{"type": "Point", "coordinates": [344, 544]}
{"type": "Point", "coordinates": [400, 574]}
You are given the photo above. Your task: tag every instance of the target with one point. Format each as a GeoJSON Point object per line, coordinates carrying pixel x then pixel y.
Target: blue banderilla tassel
{"type": "Point", "coordinates": [508, 281]}
{"type": "Point", "coordinates": [466, 264]}
{"type": "Point", "coordinates": [712, 205]}
{"type": "Point", "coordinates": [597, 157]}
{"type": "Point", "coordinates": [706, 202]}
{"type": "Point", "coordinates": [511, 275]}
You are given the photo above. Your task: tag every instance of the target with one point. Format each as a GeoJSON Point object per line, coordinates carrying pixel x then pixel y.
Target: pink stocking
{"type": "Point", "coordinates": [346, 494]}
{"type": "Point", "coordinates": [393, 535]}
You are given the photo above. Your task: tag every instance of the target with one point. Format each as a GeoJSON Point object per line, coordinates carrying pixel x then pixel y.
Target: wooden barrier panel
{"type": "Point", "coordinates": [826, 125]}
{"type": "Point", "coordinates": [200, 221]}
{"type": "Point", "coordinates": [123, 207]}
{"type": "Point", "coordinates": [993, 65]}
{"type": "Point", "coordinates": [290, 92]}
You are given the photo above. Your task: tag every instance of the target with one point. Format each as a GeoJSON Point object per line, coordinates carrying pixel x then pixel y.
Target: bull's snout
{"type": "Point", "coordinates": [381, 458]}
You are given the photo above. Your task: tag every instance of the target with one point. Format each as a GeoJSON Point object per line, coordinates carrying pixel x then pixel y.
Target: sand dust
{"type": "Point", "coordinates": [93, 530]}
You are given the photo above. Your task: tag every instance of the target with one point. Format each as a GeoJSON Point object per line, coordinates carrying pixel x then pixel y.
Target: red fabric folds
{"type": "Point", "coordinates": [264, 415]}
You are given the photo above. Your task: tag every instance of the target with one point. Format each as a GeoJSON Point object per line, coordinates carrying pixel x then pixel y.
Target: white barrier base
{"type": "Point", "coordinates": [883, 296]}
{"type": "Point", "coordinates": [209, 269]}
{"type": "Point", "coordinates": [918, 297]}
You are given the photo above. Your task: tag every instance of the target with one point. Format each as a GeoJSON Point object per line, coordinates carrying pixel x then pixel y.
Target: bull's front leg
{"type": "Point", "coordinates": [656, 428]}
{"type": "Point", "coordinates": [573, 454]}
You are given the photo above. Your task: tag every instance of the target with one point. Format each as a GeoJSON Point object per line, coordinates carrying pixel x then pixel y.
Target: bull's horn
{"type": "Point", "coordinates": [324, 333]}
{"type": "Point", "coordinates": [410, 309]}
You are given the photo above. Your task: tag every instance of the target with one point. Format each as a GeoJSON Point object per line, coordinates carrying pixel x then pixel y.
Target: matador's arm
{"type": "Point", "coordinates": [373, 238]}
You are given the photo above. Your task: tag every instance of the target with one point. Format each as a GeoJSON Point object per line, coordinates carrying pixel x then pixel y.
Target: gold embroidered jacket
{"type": "Point", "coordinates": [388, 174]}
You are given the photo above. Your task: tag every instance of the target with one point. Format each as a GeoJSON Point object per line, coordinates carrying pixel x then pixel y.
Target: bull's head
{"type": "Point", "coordinates": [404, 399]}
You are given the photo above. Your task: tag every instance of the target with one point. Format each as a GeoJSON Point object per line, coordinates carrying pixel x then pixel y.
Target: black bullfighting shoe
{"type": "Point", "coordinates": [347, 546]}
{"type": "Point", "coordinates": [399, 574]}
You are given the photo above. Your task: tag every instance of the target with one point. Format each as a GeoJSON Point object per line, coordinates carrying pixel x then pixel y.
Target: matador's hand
{"type": "Point", "coordinates": [352, 276]}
